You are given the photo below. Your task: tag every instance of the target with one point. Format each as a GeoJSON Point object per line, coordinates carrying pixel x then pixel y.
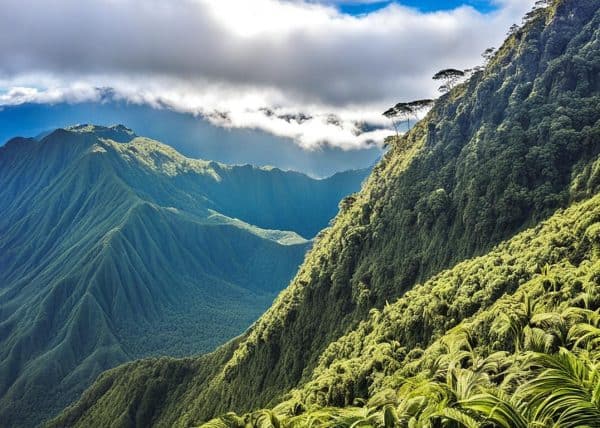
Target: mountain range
{"type": "Point", "coordinates": [192, 136]}
{"type": "Point", "coordinates": [458, 288]}
{"type": "Point", "coordinates": [115, 247]}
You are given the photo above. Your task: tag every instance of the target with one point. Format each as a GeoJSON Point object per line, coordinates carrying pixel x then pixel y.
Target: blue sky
{"type": "Point", "coordinates": [356, 8]}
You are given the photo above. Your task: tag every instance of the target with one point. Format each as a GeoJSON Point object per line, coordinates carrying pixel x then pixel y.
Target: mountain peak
{"type": "Point", "coordinates": [178, 235]}
{"type": "Point", "coordinates": [119, 133]}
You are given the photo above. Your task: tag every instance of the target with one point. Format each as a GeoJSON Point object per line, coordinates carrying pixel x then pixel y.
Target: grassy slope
{"type": "Point", "coordinates": [498, 154]}
{"type": "Point", "coordinates": [112, 250]}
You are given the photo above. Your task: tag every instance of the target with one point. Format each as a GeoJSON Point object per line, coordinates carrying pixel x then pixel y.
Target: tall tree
{"type": "Point", "coordinates": [404, 111]}
{"type": "Point", "coordinates": [450, 76]}
{"type": "Point", "coordinates": [488, 54]}
{"type": "Point", "coordinates": [420, 105]}
{"type": "Point", "coordinates": [391, 114]}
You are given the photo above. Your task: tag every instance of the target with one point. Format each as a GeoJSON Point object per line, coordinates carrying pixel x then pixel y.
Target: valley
{"type": "Point", "coordinates": [115, 247]}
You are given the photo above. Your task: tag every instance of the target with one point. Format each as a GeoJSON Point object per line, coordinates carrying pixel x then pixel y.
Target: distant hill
{"type": "Point", "coordinates": [114, 247]}
{"type": "Point", "coordinates": [190, 135]}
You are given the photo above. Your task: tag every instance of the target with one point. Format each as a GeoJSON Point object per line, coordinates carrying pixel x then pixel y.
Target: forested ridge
{"type": "Point", "coordinates": [507, 339]}
{"type": "Point", "coordinates": [490, 203]}
{"type": "Point", "coordinates": [115, 247]}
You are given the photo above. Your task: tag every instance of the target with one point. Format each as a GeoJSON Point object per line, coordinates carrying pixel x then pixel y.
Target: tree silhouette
{"type": "Point", "coordinates": [488, 54]}
{"type": "Point", "coordinates": [391, 114]}
{"type": "Point", "coordinates": [404, 111]}
{"type": "Point", "coordinates": [513, 29]}
{"type": "Point", "coordinates": [450, 76]}
{"type": "Point", "coordinates": [420, 105]}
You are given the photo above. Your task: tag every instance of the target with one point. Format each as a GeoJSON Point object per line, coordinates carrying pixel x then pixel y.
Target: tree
{"type": "Point", "coordinates": [450, 76]}
{"type": "Point", "coordinates": [404, 111]}
{"type": "Point", "coordinates": [510, 324]}
{"type": "Point", "coordinates": [391, 114]}
{"type": "Point", "coordinates": [488, 54]}
{"type": "Point", "coordinates": [513, 29]}
{"type": "Point", "coordinates": [534, 12]}
{"type": "Point", "coordinates": [420, 105]}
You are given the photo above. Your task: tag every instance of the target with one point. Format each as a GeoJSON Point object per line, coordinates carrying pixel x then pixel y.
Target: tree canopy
{"type": "Point", "coordinates": [404, 111]}
{"type": "Point", "coordinates": [450, 76]}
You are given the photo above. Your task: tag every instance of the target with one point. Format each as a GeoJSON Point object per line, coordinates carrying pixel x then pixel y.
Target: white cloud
{"type": "Point", "coordinates": [232, 60]}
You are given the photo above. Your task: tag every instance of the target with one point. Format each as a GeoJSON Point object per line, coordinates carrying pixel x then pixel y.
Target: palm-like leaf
{"type": "Point", "coordinates": [586, 335]}
{"type": "Point", "coordinates": [496, 408]}
{"type": "Point", "coordinates": [538, 340]}
{"type": "Point", "coordinates": [460, 417]}
{"type": "Point", "coordinates": [565, 391]}
{"type": "Point", "coordinates": [264, 419]}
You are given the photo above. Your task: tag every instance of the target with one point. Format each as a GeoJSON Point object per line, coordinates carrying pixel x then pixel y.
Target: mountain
{"type": "Point", "coordinates": [115, 247]}
{"type": "Point", "coordinates": [490, 204]}
{"type": "Point", "coordinates": [190, 135]}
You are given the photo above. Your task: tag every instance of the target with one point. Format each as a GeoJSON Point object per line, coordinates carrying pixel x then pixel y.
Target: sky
{"type": "Point", "coordinates": [361, 7]}
{"type": "Point", "coordinates": [316, 72]}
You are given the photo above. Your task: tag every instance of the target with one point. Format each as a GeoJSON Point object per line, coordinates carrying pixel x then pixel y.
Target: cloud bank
{"type": "Point", "coordinates": [297, 69]}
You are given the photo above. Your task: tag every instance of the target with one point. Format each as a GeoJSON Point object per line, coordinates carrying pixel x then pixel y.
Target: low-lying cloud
{"type": "Point", "coordinates": [293, 68]}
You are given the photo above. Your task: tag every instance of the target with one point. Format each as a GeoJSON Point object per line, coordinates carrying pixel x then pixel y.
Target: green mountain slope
{"type": "Point", "coordinates": [115, 247]}
{"type": "Point", "coordinates": [497, 155]}
{"type": "Point", "coordinates": [452, 352]}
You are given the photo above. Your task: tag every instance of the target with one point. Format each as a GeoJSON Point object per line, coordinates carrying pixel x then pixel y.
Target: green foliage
{"type": "Point", "coordinates": [502, 153]}
{"type": "Point", "coordinates": [114, 247]}
{"type": "Point", "coordinates": [530, 358]}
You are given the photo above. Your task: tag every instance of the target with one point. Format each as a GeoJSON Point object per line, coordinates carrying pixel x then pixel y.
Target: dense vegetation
{"type": "Point", "coordinates": [496, 155]}
{"type": "Point", "coordinates": [452, 353]}
{"type": "Point", "coordinates": [115, 247]}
